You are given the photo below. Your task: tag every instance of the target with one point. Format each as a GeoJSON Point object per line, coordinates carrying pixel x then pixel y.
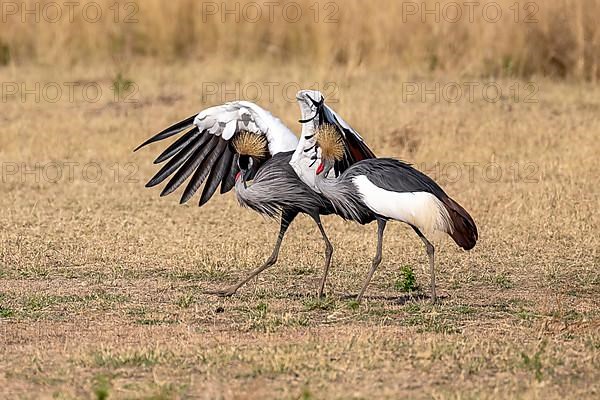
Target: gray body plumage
{"type": "Point", "coordinates": [395, 176]}
{"type": "Point", "coordinates": [344, 198]}
{"type": "Point", "coordinates": [387, 173]}
{"type": "Point", "coordinates": [276, 188]}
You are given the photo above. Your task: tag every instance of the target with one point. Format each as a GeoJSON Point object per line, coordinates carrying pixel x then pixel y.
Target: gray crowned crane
{"type": "Point", "coordinates": [386, 189]}
{"type": "Point", "coordinates": [232, 144]}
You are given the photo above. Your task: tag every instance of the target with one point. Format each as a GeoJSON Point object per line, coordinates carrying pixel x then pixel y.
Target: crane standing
{"type": "Point", "coordinates": [387, 189]}
{"type": "Point", "coordinates": [231, 144]}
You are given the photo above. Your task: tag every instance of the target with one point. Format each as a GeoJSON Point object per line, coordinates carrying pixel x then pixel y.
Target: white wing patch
{"type": "Point", "coordinates": [227, 119]}
{"type": "Point", "coordinates": [230, 129]}
{"type": "Point", "coordinates": [421, 209]}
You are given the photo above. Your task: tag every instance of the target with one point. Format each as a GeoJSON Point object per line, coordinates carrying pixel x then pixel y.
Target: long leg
{"type": "Point", "coordinates": [377, 260]}
{"type": "Point", "coordinates": [286, 219]}
{"type": "Point", "coordinates": [431, 254]}
{"type": "Point", "coordinates": [328, 254]}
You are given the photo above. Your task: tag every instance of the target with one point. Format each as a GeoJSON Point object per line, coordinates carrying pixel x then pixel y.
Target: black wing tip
{"type": "Point", "coordinates": [170, 188]}
{"type": "Point", "coordinates": [147, 142]}
{"type": "Point", "coordinates": [160, 159]}
{"type": "Point", "coordinates": [152, 182]}
{"type": "Point", "coordinates": [179, 145]}
{"type": "Point", "coordinates": [184, 199]}
{"type": "Point", "coordinates": [168, 132]}
{"type": "Point", "coordinates": [206, 195]}
{"type": "Point", "coordinates": [203, 201]}
{"type": "Point", "coordinates": [167, 190]}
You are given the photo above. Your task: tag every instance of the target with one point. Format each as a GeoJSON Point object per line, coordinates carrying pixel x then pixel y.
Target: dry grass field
{"type": "Point", "coordinates": [559, 38]}
{"type": "Point", "coordinates": [102, 281]}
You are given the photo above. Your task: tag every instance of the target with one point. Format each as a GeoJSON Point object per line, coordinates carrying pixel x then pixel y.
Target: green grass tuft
{"type": "Point", "coordinates": [353, 305]}
{"type": "Point", "coordinates": [406, 281]}
{"type": "Point", "coordinates": [4, 53]}
{"type": "Point", "coordinates": [122, 86]}
{"type": "Point", "coordinates": [6, 312]}
{"type": "Point", "coordinates": [534, 363]}
{"type": "Point", "coordinates": [313, 304]}
{"type": "Point", "coordinates": [503, 281]}
{"type": "Point", "coordinates": [186, 300]}
{"type": "Point", "coordinates": [101, 387]}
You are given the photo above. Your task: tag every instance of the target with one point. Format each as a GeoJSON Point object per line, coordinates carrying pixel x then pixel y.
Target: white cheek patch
{"type": "Point", "coordinates": [420, 209]}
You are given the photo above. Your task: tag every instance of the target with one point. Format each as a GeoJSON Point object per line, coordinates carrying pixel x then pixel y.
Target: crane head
{"type": "Point", "coordinates": [251, 150]}
{"type": "Point", "coordinates": [311, 103]}
{"type": "Point", "coordinates": [245, 164]}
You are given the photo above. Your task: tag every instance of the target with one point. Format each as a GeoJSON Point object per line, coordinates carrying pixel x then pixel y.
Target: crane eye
{"type": "Point", "coordinates": [244, 162]}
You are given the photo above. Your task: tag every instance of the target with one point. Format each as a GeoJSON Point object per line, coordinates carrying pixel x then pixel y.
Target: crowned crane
{"type": "Point", "coordinates": [238, 142]}
{"type": "Point", "coordinates": [387, 189]}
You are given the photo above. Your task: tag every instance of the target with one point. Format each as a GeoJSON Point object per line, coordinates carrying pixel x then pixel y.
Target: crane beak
{"type": "Point", "coordinates": [320, 168]}
{"type": "Point", "coordinates": [242, 175]}
{"type": "Point", "coordinates": [245, 177]}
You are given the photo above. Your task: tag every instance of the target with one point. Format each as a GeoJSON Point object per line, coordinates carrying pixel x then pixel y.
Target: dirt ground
{"type": "Point", "coordinates": [102, 281]}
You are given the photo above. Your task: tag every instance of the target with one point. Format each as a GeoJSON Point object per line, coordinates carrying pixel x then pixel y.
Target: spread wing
{"type": "Point", "coordinates": [205, 148]}
{"type": "Point", "coordinates": [355, 148]}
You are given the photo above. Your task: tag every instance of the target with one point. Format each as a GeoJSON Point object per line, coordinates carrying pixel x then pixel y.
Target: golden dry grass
{"type": "Point", "coordinates": [101, 284]}
{"type": "Point", "coordinates": [558, 38]}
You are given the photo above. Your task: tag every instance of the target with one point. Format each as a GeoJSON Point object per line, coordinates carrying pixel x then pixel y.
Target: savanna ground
{"type": "Point", "coordinates": [101, 283]}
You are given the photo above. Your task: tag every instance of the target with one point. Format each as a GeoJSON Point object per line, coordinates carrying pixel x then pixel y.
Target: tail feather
{"type": "Point", "coordinates": [465, 231]}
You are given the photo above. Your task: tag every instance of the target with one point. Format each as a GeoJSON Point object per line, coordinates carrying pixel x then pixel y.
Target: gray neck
{"type": "Point", "coordinates": [254, 198]}
{"type": "Point", "coordinates": [325, 184]}
{"type": "Point", "coordinates": [240, 193]}
{"type": "Point", "coordinates": [343, 195]}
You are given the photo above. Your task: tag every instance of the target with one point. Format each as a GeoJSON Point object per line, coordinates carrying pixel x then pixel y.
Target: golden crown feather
{"type": "Point", "coordinates": [251, 144]}
{"type": "Point", "coordinates": [331, 143]}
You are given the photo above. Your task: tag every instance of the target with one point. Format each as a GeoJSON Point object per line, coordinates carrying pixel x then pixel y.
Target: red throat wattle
{"type": "Point", "coordinates": [238, 176]}
{"type": "Point", "coordinates": [320, 168]}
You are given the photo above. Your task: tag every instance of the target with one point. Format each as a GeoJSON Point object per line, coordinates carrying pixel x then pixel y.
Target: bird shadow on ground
{"type": "Point", "coordinates": [401, 300]}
